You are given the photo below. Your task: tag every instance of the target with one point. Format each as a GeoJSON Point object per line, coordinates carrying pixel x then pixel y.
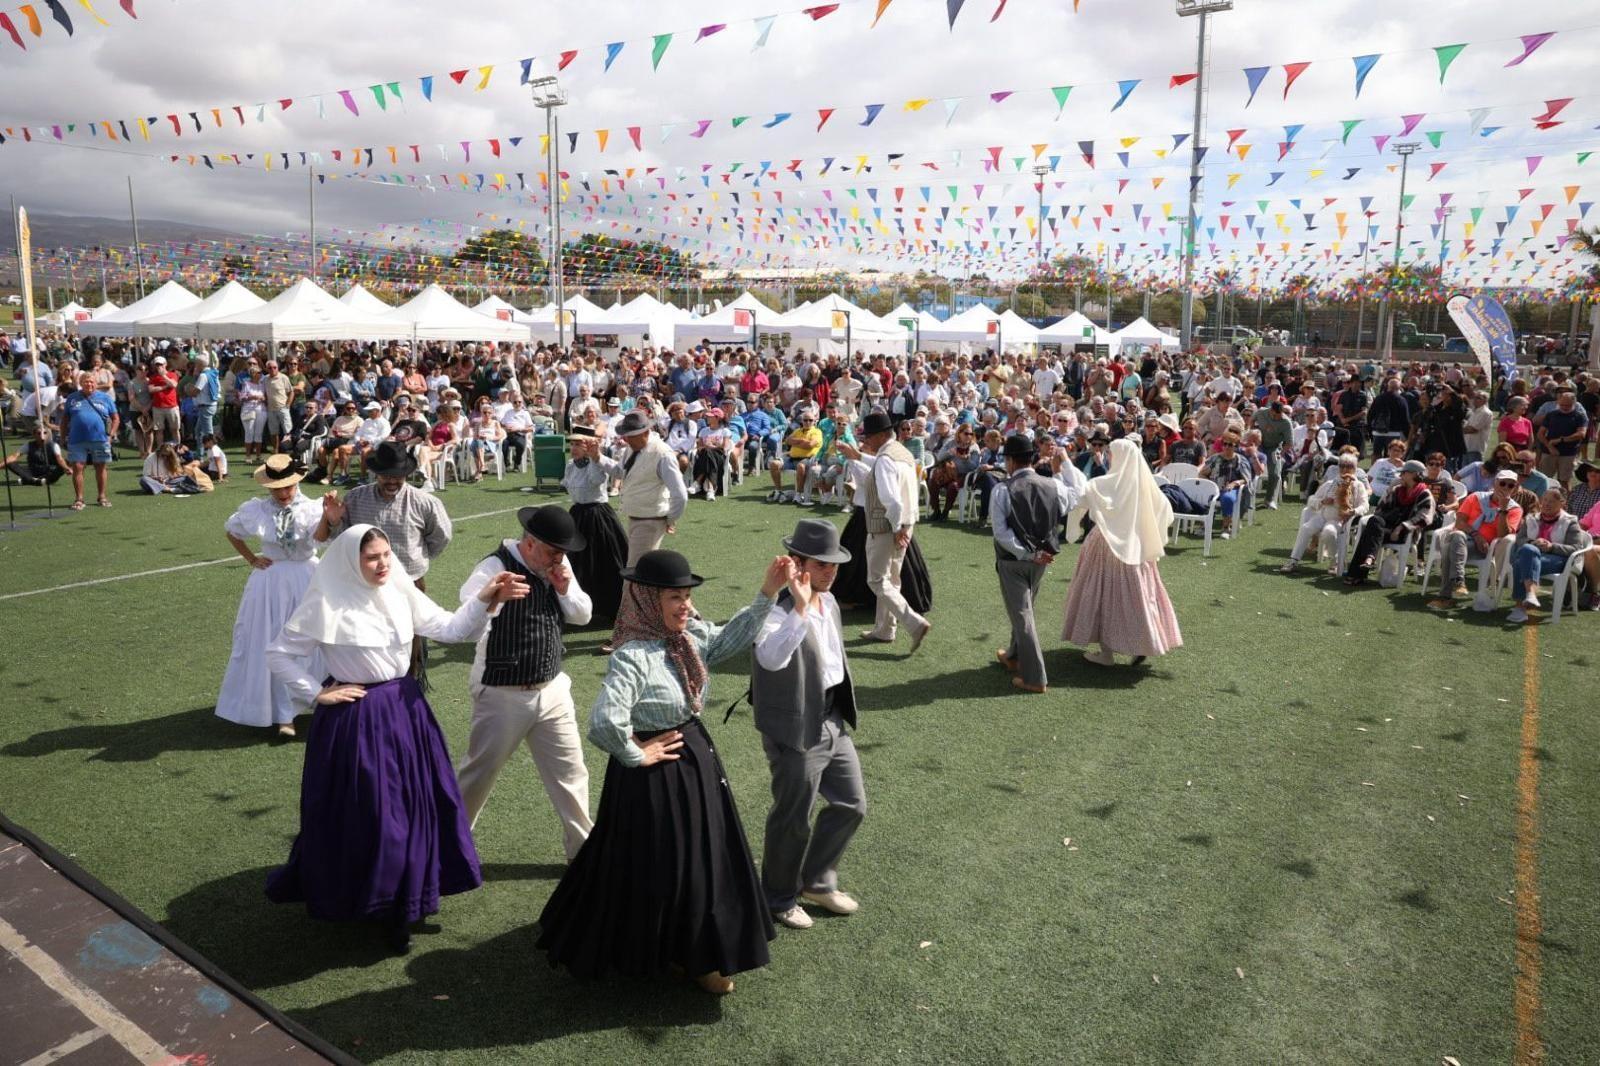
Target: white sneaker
{"type": "Point", "coordinates": [1531, 601]}
{"type": "Point", "coordinates": [1226, 535]}
{"type": "Point", "coordinates": [1517, 615]}
{"type": "Point", "coordinates": [710, 495]}
{"type": "Point", "coordinates": [795, 918]}
{"type": "Point", "coordinates": [836, 902]}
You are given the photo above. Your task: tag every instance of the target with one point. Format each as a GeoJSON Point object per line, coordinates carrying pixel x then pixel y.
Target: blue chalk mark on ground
{"type": "Point", "coordinates": [118, 946]}
{"type": "Point", "coordinates": [213, 1001]}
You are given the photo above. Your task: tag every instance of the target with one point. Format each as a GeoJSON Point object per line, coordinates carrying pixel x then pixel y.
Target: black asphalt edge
{"type": "Point", "coordinates": [155, 931]}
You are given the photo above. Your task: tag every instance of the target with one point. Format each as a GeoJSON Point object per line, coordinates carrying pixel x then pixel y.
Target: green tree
{"type": "Point", "coordinates": [597, 259]}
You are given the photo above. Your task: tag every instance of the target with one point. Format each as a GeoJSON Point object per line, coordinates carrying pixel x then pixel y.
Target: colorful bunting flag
{"type": "Point", "coordinates": [1531, 43]}
{"type": "Point", "coordinates": [1125, 89]}
{"type": "Point", "coordinates": [1364, 65]}
{"type": "Point", "coordinates": [1253, 77]}
{"type": "Point", "coordinates": [1292, 72]}
{"type": "Point", "coordinates": [1446, 54]}
{"type": "Point", "coordinates": [662, 40]}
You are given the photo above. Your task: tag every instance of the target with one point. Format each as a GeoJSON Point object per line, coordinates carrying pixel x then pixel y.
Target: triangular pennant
{"type": "Point", "coordinates": [883, 5]}
{"type": "Point", "coordinates": [952, 9]}
{"type": "Point", "coordinates": [763, 28]}
{"type": "Point", "coordinates": [1181, 79]}
{"type": "Point", "coordinates": [1531, 43]}
{"type": "Point", "coordinates": [1446, 54]}
{"type": "Point", "coordinates": [1125, 88]}
{"type": "Point", "coordinates": [1349, 127]}
{"type": "Point", "coordinates": [1292, 72]}
{"type": "Point", "coordinates": [1364, 65]}
{"type": "Point", "coordinates": [59, 13]}
{"type": "Point", "coordinates": [872, 113]}
{"type": "Point", "coordinates": [662, 40]}
{"type": "Point", "coordinates": [709, 31]}
{"type": "Point", "coordinates": [1253, 77]}
{"type": "Point", "coordinates": [1061, 92]}
{"type": "Point", "coordinates": [613, 50]}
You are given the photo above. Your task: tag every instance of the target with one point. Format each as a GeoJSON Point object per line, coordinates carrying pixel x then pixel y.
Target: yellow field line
{"type": "Point", "coordinates": [1530, 1048]}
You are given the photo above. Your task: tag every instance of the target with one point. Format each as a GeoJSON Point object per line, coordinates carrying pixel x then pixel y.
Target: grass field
{"type": "Point", "coordinates": [1296, 840]}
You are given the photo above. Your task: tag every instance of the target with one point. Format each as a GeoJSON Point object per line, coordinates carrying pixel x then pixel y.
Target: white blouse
{"type": "Point", "coordinates": [288, 654]}
{"type": "Point", "coordinates": [282, 536]}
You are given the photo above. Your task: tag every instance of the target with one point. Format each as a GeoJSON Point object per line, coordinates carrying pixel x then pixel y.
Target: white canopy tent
{"type": "Point", "coordinates": [719, 324]}
{"type": "Point", "coordinates": [231, 299]}
{"type": "Point", "coordinates": [813, 326]}
{"type": "Point", "coordinates": [1070, 331]}
{"type": "Point", "coordinates": [1142, 334]}
{"type": "Point", "coordinates": [362, 300]}
{"type": "Point", "coordinates": [105, 308]}
{"type": "Point", "coordinates": [971, 326]}
{"type": "Point", "coordinates": [304, 312]}
{"type": "Point", "coordinates": [120, 323]}
{"type": "Point", "coordinates": [435, 315]}
{"type": "Point", "coordinates": [495, 307]}
{"type": "Point", "coordinates": [585, 314]}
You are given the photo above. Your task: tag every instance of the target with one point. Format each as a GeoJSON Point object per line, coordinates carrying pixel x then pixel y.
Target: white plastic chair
{"type": "Point", "coordinates": [1250, 496]}
{"type": "Point", "coordinates": [1179, 472]}
{"type": "Point", "coordinates": [1563, 585]}
{"type": "Point", "coordinates": [1497, 559]}
{"type": "Point", "coordinates": [495, 453]}
{"type": "Point", "coordinates": [1161, 479]}
{"type": "Point", "coordinates": [445, 465]}
{"type": "Point", "coordinates": [1205, 494]}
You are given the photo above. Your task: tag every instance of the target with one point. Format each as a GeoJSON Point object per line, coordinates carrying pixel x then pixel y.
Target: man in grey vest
{"type": "Point", "coordinates": [892, 505]}
{"type": "Point", "coordinates": [1026, 511]}
{"type": "Point", "coordinates": [520, 695]}
{"type": "Point", "coordinates": [803, 697]}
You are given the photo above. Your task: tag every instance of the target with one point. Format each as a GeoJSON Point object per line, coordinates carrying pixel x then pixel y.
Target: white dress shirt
{"type": "Point", "coordinates": [1070, 486]}
{"type": "Point", "coordinates": [784, 630]}
{"type": "Point", "coordinates": [576, 606]}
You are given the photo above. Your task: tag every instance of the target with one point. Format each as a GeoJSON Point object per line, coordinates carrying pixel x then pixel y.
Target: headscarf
{"type": "Point", "coordinates": [341, 607]}
{"type": "Point", "coordinates": [1127, 507]}
{"type": "Point", "coordinates": [639, 618]}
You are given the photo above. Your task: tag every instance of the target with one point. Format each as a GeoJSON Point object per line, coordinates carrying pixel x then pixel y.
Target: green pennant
{"type": "Point", "coordinates": [1583, 157]}
{"type": "Point", "coordinates": [377, 92]}
{"type": "Point", "coordinates": [1446, 54]}
{"type": "Point", "coordinates": [1350, 125]}
{"type": "Point", "coordinates": [1061, 92]}
{"type": "Point", "coordinates": [1405, 201]}
{"type": "Point", "coordinates": [660, 49]}
{"type": "Point", "coordinates": [952, 190]}
{"type": "Point", "coordinates": [394, 91]}
{"type": "Point", "coordinates": [1477, 213]}
{"type": "Point", "coordinates": [1019, 160]}
{"type": "Point", "coordinates": [1434, 137]}
{"type": "Point", "coordinates": [740, 120]}
{"type": "Point", "coordinates": [1262, 205]}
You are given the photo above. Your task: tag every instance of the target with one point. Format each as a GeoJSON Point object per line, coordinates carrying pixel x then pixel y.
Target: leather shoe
{"type": "Point", "coordinates": [714, 983]}
{"type": "Point", "coordinates": [795, 918]}
{"type": "Point", "coordinates": [869, 635]}
{"type": "Point", "coordinates": [1017, 682]}
{"type": "Point", "coordinates": [836, 902]}
{"type": "Point", "coordinates": [919, 636]}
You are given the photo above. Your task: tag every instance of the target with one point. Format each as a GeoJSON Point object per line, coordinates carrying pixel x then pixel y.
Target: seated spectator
{"type": "Point", "coordinates": [40, 461]}
{"type": "Point", "coordinates": [341, 443]}
{"type": "Point", "coordinates": [711, 448]}
{"type": "Point", "coordinates": [1445, 503]}
{"type": "Point", "coordinates": [1153, 442]}
{"type": "Point", "coordinates": [165, 471]}
{"type": "Point", "coordinates": [1587, 492]}
{"type": "Point", "coordinates": [213, 460]}
{"type": "Point", "coordinates": [1531, 479]}
{"type": "Point", "coordinates": [1479, 476]}
{"type": "Point", "coordinates": [1333, 503]}
{"type": "Point", "coordinates": [1188, 448]}
{"type": "Point", "coordinates": [683, 429]}
{"type": "Point", "coordinates": [1232, 472]}
{"type": "Point", "coordinates": [800, 447]}
{"type": "Point", "coordinates": [1482, 519]}
{"type": "Point", "coordinates": [517, 421]}
{"type": "Point", "coordinates": [1405, 509]}
{"type": "Point", "coordinates": [1386, 471]}
{"type": "Point", "coordinates": [373, 431]}
{"type": "Point", "coordinates": [1545, 540]}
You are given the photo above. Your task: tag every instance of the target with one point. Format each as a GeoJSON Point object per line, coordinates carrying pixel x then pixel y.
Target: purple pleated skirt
{"type": "Point", "coordinates": [383, 833]}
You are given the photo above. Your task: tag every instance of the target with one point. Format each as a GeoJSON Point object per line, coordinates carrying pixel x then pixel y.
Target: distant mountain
{"type": "Point", "coordinates": [76, 231]}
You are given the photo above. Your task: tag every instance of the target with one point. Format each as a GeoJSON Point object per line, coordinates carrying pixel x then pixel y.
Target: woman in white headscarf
{"type": "Point", "coordinates": [1117, 599]}
{"type": "Point", "coordinates": [383, 831]}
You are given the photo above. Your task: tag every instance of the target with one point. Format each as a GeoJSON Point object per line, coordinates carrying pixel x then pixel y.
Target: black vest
{"type": "Point", "coordinates": [524, 645]}
{"type": "Point", "coordinates": [1034, 518]}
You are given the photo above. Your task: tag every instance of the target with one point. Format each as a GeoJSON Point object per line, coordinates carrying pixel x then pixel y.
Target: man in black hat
{"type": "Point", "coordinates": [415, 522]}
{"type": "Point", "coordinates": [520, 695]}
{"type": "Point", "coordinates": [1026, 511]}
{"type": "Point", "coordinates": [653, 495]}
{"type": "Point", "coordinates": [803, 697]}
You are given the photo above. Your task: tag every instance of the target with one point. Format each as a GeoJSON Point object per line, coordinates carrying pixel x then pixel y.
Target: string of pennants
{"type": "Point", "coordinates": [386, 93]}
{"type": "Point", "coordinates": [28, 17]}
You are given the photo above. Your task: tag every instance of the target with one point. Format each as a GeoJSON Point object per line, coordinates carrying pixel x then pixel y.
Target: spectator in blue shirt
{"type": "Point", "coordinates": [683, 379]}
{"type": "Point", "coordinates": [206, 390]}
{"type": "Point", "coordinates": [90, 419]}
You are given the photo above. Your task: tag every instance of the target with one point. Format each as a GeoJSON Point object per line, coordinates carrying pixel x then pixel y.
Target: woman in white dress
{"type": "Point", "coordinates": [283, 522]}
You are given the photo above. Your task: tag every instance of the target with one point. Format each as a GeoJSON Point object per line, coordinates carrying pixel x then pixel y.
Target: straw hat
{"type": "Point", "coordinates": [279, 471]}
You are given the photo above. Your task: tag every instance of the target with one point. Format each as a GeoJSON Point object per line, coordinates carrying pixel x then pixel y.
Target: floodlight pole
{"type": "Point", "coordinates": [1404, 150]}
{"type": "Point", "coordinates": [138, 259]}
{"type": "Point", "coordinates": [311, 202]}
{"type": "Point", "coordinates": [1204, 9]}
{"type": "Point", "coordinates": [549, 95]}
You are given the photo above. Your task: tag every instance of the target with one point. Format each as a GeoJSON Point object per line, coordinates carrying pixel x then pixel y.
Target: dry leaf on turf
{"type": "Point", "coordinates": [1066, 842]}
{"type": "Point", "coordinates": [1240, 971]}
{"type": "Point", "coordinates": [926, 944]}
{"type": "Point", "coordinates": [1156, 978]}
{"type": "Point", "coordinates": [1449, 1060]}
{"type": "Point", "coordinates": [441, 997]}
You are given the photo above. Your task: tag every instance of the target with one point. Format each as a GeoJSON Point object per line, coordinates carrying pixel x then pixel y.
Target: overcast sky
{"type": "Point", "coordinates": [193, 55]}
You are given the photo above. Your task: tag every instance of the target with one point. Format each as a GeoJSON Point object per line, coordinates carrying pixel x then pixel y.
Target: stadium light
{"type": "Point", "coordinates": [1204, 9]}
{"type": "Point", "coordinates": [549, 95]}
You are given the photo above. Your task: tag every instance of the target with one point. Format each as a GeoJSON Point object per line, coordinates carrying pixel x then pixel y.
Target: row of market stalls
{"type": "Point", "coordinates": [830, 326]}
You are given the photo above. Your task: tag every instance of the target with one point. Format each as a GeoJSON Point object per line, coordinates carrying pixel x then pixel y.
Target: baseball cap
{"type": "Point", "coordinates": [1506, 475]}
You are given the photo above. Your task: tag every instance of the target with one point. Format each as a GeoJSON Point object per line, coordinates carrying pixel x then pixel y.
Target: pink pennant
{"type": "Point", "coordinates": [1533, 162]}
{"type": "Point", "coordinates": [1000, 96]}
{"type": "Point", "coordinates": [708, 31]}
{"type": "Point", "coordinates": [1292, 72]}
{"type": "Point", "coordinates": [1434, 168]}
{"type": "Point", "coordinates": [820, 12]}
{"type": "Point", "coordinates": [1411, 122]}
{"type": "Point", "coordinates": [1552, 108]}
{"type": "Point", "coordinates": [1531, 43]}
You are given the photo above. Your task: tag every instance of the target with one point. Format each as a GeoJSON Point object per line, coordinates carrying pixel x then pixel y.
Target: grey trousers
{"type": "Point", "coordinates": [1019, 585]}
{"type": "Point", "coordinates": [1453, 572]}
{"type": "Point", "coordinates": [644, 535]}
{"type": "Point", "coordinates": [796, 855]}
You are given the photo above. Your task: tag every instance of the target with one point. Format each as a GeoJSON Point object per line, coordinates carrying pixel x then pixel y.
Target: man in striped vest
{"type": "Point", "coordinates": [520, 695]}
{"type": "Point", "coordinates": [891, 517]}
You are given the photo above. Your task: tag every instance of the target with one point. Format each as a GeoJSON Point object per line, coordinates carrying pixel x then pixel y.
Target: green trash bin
{"type": "Point", "coordinates": [549, 457]}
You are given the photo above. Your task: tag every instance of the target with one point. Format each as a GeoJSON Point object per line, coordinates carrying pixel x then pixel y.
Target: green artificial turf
{"type": "Point", "coordinates": [1291, 840]}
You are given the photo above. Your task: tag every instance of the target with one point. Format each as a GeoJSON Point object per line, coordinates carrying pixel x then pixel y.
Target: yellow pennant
{"type": "Point", "coordinates": [90, 9]}
{"type": "Point", "coordinates": [918, 105]}
{"type": "Point", "coordinates": [483, 82]}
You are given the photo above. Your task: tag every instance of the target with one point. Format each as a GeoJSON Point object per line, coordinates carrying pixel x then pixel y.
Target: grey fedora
{"type": "Point", "coordinates": [816, 538]}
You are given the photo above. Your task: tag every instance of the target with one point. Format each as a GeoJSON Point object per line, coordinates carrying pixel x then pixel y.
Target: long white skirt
{"type": "Point", "coordinates": [249, 694]}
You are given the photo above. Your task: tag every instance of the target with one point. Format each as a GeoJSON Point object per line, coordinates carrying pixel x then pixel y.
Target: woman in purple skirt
{"type": "Point", "coordinates": [383, 833]}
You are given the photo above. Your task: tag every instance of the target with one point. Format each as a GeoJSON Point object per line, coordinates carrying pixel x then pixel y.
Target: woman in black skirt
{"type": "Point", "coordinates": [850, 587]}
{"type": "Point", "coordinates": [665, 881]}
{"type": "Point", "coordinates": [598, 567]}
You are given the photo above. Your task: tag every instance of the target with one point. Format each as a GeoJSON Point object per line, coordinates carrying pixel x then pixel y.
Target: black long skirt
{"type": "Point", "coordinates": [665, 878]}
{"type": "Point", "coordinates": [598, 567]}
{"type": "Point", "coordinates": [850, 587]}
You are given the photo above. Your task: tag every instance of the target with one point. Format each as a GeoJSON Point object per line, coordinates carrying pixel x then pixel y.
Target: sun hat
{"type": "Point", "coordinates": [279, 471]}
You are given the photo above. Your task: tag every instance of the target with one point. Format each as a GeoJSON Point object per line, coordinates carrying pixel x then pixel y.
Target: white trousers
{"type": "Point", "coordinates": [1315, 526]}
{"type": "Point", "coordinates": [545, 720]}
{"type": "Point", "coordinates": [884, 559]}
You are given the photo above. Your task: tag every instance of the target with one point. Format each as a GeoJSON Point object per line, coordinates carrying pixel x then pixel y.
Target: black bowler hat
{"type": "Point", "coordinates": [392, 460]}
{"type": "Point", "coordinates": [580, 431]}
{"type": "Point", "coordinates": [875, 423]}
{"type": "Point", "coordinates": [816, 538]}
{"type": "Point", "coordinates": [1019, 446]}
{"type": "Point", "coordinates": [552, 525]}
{"type": "Point", "coordinates": [662, 569]}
